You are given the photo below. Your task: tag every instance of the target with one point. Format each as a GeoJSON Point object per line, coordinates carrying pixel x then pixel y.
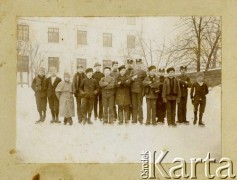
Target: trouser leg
{"type": "Point", "coordinates": [153, 109]}
{"type": "Point", "coordinates": [134, 107]}
{"type": "Point", "coordinates": [111, 109]}
{"type": "Point", "coordinates": [140, 110]}
{"type": "Point", "coordinates": [100, 107]}
{"type": "Point", "coordinates": [168, 107]}
{"type": "Point", "coordinates": [105, 107]}
{"type": "Point", "coordinates": [95, 106]}
{"type": "Point", "coordinates": [79, 108]}
{"type": "Point", "coordinates": [148, 103]}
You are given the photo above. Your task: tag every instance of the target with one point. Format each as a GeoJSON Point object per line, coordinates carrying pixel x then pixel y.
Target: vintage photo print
{"type": "Point", "coordinates": [106, 89]}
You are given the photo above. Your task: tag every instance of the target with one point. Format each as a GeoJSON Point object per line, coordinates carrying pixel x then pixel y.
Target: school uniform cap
{"type": "Point", "coordinates": [107, 67]}
{"type": "Point", "coordinates": [170, 69]}
{"type": "Point", "coordinates": [114, 62]}
{"type": "Point", "coordinates": [161, 70]}
{"type": "Point", "coordinates": [121, 67]}
{"type": "Point", "coordinates": [129, 61]}
{"type": "Point", "coordinates": [89, 70]}
{"type": "Point", "coordinates": [151, 67]}
{"type": "Point", "coordinates": [138, 60]}
{"type": "Point", "coordinates": [97, 64]}
{"type": "Point", "coordinates": [183, 67]}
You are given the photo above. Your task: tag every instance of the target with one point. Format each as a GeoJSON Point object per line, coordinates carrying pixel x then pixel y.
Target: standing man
{"type": "Point", "coordinates": [128, 73]}
{"type": "Point", "coordinates": [52, 83]}
{"type": "Point", "coordinates": [115, 74]}
{"type": "Point", "coordinates": [77, 79]}
{"type": "Point", "coordinates": [88, 89]}
{"type": "Point", "coordinates": [185, 83]}
{"type": "Point", "coordinates": [39, 87]}
{"type": "Point", "coordinates": [137, 77]}
{"type": "Point", "coordinates": [171, 95]}
{"type": "Point", "coordinates": [107, 84]}
{"type": "Point", "coordinates": [98, 97]}
{"type": "Point", "coordinates": [160, 105]}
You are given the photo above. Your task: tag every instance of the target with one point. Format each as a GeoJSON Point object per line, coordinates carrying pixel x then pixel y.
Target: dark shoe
{"type": "Point", "coordinates": [84, 122]}
{"type": "Point", "coordinates": [120, 123]}
{"type": "Point", "coordinates": [173, 125]}
{"type": "Point", "coordinates": [39, 121]}
{"type": "Point", "coordinates": [65, 121]}
{"type": "Point", "coordinates": [141, 121]}
{"type": "Point", "coordinates": [57, 121]}
{"type": "Point", "coordinates": [133, 121]}
{"type": "Point", "coordinates": [147, 123]}
{"type": "Point", "coordinates": [70, 121]}
{"type": "Point", "coordinates": [195, 118]}
{"type": "Point", "coordinates": [201, 124]}
{"type": "Point", "coordinates": [53, 120]}
{"type": "Point", "coordinates": [154, 123]}
{"type": "Point", "coordinates": [89, 122]}
{"type": "Point", "coordinates": [105, 122]}
{"type": "Point", "coordinates": [186, 122]}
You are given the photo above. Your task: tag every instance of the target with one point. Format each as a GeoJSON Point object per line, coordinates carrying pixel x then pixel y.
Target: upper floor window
{"type": "Point", "coordinates": [81, 62]}
{"type": "Point", "coordinates": [131, 21]}
{"type": "Point", "coordinates": [23, 64]}
{"type": "Point", "coordinates": [53, 35]}
{"type": "Point", "coordinates": [131, 40]}
{"type": "Point", "coordinates": [107, 39]}
{"type": "Point", "coordinates": [53, 61]}
{"type": "Point", "coordinates": [82, 37]}
{"type": "Point", "coordinates": [23, 32]}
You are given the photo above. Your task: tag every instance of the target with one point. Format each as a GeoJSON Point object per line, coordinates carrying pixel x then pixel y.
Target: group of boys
{"type": "Point", "coordinates": [117, 94]}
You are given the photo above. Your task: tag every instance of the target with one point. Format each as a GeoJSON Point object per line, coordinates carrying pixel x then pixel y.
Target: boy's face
{"type": "Point", "coordinates": [79, 69]}
{"type": "Point", "coordinates": [89, 74]}
{"type": "Point", "coordinates": [107, 72]}
{"type": "Point", "coordinates": [200, 79]}
{"type": "Point", "coordinates": [171, 73]}
{"type": "Point", "coordinates": [183, 71]}
{"type": "Point", "coordinates": [115, 66]}
{"type": "Point", "coordinates": [41, 73]}
{"type": "Point", "coordinates": [97, 68]}
{"type": "Point", "coordinates": [122, 72]}
{"type": "Point", "coordinates": [53, 71]}
{"type": "Point", "coordinates": [152, 72]}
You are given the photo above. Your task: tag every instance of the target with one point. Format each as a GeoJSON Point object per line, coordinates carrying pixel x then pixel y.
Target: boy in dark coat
{"type": "Point", "coordinates": [151, 85]}
{"type": "Point", "coordinates": [171, 95]}
{"type": "Point", "coordinates": [185, 83]}
{"type": "Point", "coordinates": [88, 89]}
{"type": "Point", "coordinates": [39, 87]}
{"type": "Point", "coordinates": [138, 75]}
{"type": "Point", "coordinates": [123, 95]}
{"type": "Point", "coordinates": [107, 84]}
{"type": "Point", "coordinates": [77, 79]}
{"type": "Point", "coordinates": [198, 94]}
{"type": "Point", "coordinates": [115, 74]}
{"type": "Point", "coordinates": [97, 75]}
{"type": "Point", "coordinates": [52, 83]}
{"type": "Point", "coordinates": [160, 105]}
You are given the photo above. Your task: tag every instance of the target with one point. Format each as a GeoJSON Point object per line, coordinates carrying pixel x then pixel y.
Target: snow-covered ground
{"type": "Point", "coordinates": [98, 143]}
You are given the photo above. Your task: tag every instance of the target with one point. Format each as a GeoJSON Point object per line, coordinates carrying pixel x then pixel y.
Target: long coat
{"type": "Point", "coordinates": [65, 96]}
{"type": "Point", "coordinates": [123, 91]}
{"type": "Point", "coordinates": [39, 86]}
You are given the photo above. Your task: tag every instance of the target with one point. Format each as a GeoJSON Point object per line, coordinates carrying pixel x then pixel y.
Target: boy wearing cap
{"type": "Point", "coordinates": [171, 95]}
{"type": "Point", "coordinates": [160, 105]}
{"type": "Point", "coordinates": [198, 94]}
{"type": "Point", "coordinates": [107, 84]}
{"type": "Point", "coordinates": [51, 84]}
{"type": "Point", "coordinates": [185, 83]}
{"type": "Point", "coordinates": [151, 85]}
{"type": "Point", "coordinates": [123, 95]}
{"type": "Point", "coordinates": [97, 75]}
{"type": "Point", "coordinates": [66, 102]}
{"type": "Point", "coordinates": [88, 89]}
{"type": "Point", "coordinates": [115, 74]}
{"type": "Point", "coordinates": [137, 76]}
{"type": "Point", "coordinates": [77, 79]}
{"type": "Point", "coordinates": [39, 87]}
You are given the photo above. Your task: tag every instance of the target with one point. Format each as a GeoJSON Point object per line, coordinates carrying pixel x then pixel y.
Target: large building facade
{"type": "Point", "coordinates": [67, 42]}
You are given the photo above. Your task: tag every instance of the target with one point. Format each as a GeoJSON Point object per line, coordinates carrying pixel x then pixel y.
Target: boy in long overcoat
{"type": "Point", "coordinates": [198, 94]}
{"type": "Point", "coordinates": [89, 89]}
{"type": "Point", "coordinates": [39, 87]}
{"type": "Point", "coordinates": [107, 84]}
{"type": "Point", "coordinates": [185, 83]}
{"type": "Point", "coordinates": [66, 102]}
{"type": "Point", "coordinates": [151, 85]}
{"type": "Point", "coordinates": [123, 95]}
{"type": "Point", "coordinates": [52, 82]}
{"type": "Point", "coordinates": [171, 95]}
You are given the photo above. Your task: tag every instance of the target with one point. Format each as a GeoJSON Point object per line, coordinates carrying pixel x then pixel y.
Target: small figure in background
{"type": "Point", "coordinates": [66, 102]}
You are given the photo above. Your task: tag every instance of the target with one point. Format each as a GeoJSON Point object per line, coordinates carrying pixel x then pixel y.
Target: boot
{"type": "Point", "coordinates": [44, 116]}
{"type": "Point", "coordinates": [195, 118]}
{"type": "Point", "coordinates": [57, 121]}
{"type": "Point", "coordinates": [65, 121]}
{"type": "Point", "coordinates": [120, 117]}
{"type": "Point", "coordinates": [89, 119]}
{"type": "Point", "coordinates": [70, 121]}
{"type": "Point", "coordinates": [200, 120]}
{"type": "Point", "coordinates": [40, 119]}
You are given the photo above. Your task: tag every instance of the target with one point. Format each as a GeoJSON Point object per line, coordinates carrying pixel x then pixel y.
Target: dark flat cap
{"type": "Point", "coordinates": [151, 67]}
{"type": "Point", "coordinates": [138, 60]}
{"type": "Point", "coordinates": [170, 69]}
{"type": "Point", "coordinates": [114, 62]}
{"type": "Point", "coordinates": [89, 70]}
{"type": "Point", "coordinates": [107, 67]}
{"type": "Point", "coordinates": [183, 67]}
{"type": "Point", "coordinates": [97, 64]}
{"type": "Point", "coordinates": [162, 70]}
{"type": "Point", "coordinates": [121, 67]}
{"type": "Point", "coordinates": [130, 61]}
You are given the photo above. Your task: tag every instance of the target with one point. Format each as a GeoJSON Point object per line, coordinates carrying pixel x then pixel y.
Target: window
{"type": "Point", "coordinates": [53, 35]}
{"type": "Point", "coordinates": [23, 32]}
{"type": "Point", "coordinates": [82, 37]}
{"type": "Point", "coordinates": [23, 63]}
{"type": "Point", "coordinates": [131, 41]}
{"type": "Point", "coordinates": [131, 21]}
{"type": "Point", "coordinates": [82, 62]}
{"type": "Point", "coordinates": [107, 40]}
{"type": "Point", "coordinates": [53, 61]}
{"type": "Point", "coordinates": [107, 63]}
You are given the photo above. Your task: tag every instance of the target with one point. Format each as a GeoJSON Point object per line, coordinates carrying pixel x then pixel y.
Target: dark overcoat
{"type": "Point", "coordinates": [123, 91]}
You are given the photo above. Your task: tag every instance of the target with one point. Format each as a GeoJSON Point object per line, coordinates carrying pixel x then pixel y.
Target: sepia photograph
{"type": "Point", "coordinates": [106, 89]}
